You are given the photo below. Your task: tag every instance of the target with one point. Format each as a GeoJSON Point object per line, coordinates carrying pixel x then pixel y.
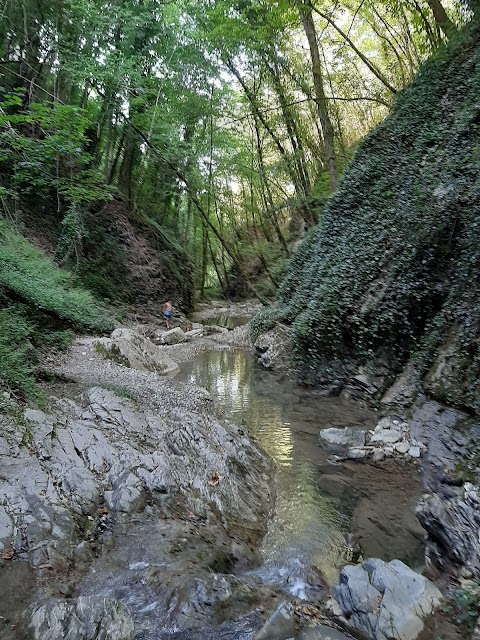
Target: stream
{"type": "Point", "coordinates": [324, 513]}
{"type": "Point", "coordinates": [318, 503]}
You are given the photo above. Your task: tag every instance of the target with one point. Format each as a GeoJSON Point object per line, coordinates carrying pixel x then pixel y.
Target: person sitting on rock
{"type": "Point", "coordinates": [167, 312]}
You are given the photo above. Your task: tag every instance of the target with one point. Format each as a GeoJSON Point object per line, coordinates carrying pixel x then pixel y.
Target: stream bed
{"type": "Point", "coordinates": [173, 572]}
{"type": "Point", "coordinates": [319, 505]}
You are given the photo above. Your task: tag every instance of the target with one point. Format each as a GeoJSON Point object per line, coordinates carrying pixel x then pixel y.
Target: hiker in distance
{"type": "Point", "coordinates": [167, 313]}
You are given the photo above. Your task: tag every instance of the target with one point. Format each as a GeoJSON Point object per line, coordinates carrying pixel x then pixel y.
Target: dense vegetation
{"type": "Point", "coordinates": [162, 150]}
{"type": "Point", "coordinates": [391, 274]}
{"type": "Point", "coordinates": [220, 125]}
{"type": "Point", "coordinates": [39, 306]}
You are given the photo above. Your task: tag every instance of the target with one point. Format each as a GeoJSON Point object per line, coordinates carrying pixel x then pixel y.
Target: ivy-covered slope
{"type": "Point", "coordinates": [391, 274]}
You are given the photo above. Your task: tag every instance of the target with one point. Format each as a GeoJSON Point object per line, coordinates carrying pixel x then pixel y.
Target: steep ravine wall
{"type": "Point", "coordinates": [390, 276]}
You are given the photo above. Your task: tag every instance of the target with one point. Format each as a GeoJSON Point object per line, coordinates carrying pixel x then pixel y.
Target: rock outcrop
{"type": "Point", "coordinates": [453, 525]}
{"type": "Point", "coordinates": [391, 264]}
{"type": "Point", "coordinates": [103, 459]}
{"type": "Point", "coordinates": [271, 350]}
{"type": "Point", "coordinates": [384, 601]}
{"type": "Point", "coordinates": [136, 351]}
{"type": "Point", "coordinates": [77, 619]}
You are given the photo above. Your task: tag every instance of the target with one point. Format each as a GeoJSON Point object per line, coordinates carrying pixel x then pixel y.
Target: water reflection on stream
{"type": "Point", "coordinates": [317, 503]}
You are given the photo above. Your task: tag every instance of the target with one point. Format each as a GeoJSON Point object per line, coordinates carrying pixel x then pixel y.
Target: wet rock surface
{"type": "Point", "coordinates": [271, 350]}
{"type": "Point", "coordinates": [95, 471]}
{"type": "Point", "coordinates": [453, 525]}
{"type": "Point", "coordinates": [391, 438]}
{"type": "Point", "coordinates": [321, 632]}
{"type": "Point", "coordinates": [384, 601]}
{"type": "Point", "coordinates": [75, 619]}
{"type": "Point", "coordinates": [146, 499]}
{"type": "Point", "coordinates": [280, 625]}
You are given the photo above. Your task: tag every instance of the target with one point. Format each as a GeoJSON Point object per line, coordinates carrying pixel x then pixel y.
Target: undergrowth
{"type": "Point", "coordinates": [29, 276]}
{"type": "Point", "coordinates": [40, 309]}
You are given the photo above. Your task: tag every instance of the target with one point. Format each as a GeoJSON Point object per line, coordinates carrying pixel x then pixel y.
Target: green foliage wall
{"type": "Point", "coordinates": [40, 306]}
{"type": "Point", "coordinates": [392, 271]}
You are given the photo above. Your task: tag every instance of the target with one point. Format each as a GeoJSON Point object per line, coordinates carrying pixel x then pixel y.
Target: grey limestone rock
{"type": "Point", "coordinates": [452, 526]}
{"type": "Point", "coordinates": [280, 625]}
{"type": "Point", "coordinates": [271, 348]}
{"type": "Point", "coordinates": [85, 618]}
{"type": "Point", "coordinates": [357, 453]}
{"type": "Point", "coordinates": [128, 494]}
{"type": "Point", "coordinates": [136, 351]}
{"type": "Point", "coordinates": [343, 437]}
{"type": "Point", "coordinates": [6, 529]}
{"type": "Point", "coordinates": [386, 436]}
{"type": "Point", "coordinates": [322, 632]}
{"type": "Point", "coordinates": [104, 450]}
{"type": "Point", "coordinates": [385, 601]}
{"type": "Point", "coordinates": [194, 333]}
{"type": "Point", "coordinates": [174, 336]}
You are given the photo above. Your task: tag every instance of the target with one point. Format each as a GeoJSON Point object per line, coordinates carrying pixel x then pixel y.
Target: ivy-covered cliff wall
{"type": "Point", "coordinates": [391, 274]}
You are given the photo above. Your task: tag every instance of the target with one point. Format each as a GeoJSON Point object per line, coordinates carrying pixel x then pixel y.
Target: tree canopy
{"type": "Point", "coordinates": [224, 125]}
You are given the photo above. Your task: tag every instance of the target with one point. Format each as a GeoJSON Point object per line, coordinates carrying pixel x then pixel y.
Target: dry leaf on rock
{"type": "Point", "coordinates": [215, 479]}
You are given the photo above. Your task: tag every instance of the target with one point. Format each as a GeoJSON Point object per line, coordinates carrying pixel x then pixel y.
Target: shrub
{"type": "Point", "coordinates": [28, 275]}
{"type": "Point", "coordinates": [16, 353]}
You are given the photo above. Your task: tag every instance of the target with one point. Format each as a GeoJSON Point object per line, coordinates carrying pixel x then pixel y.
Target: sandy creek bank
{"type": "Point", "coordinates": [159, 493]}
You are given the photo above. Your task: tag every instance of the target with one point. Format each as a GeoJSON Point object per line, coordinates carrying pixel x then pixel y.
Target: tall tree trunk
{"type": "Point", "coordinates": [441, 18]}
{"type": "Point", "coordinates": [203, 272]}
{"type": "Point", "coordinates": [266, 189]}
{"type": "Point", "coordinates": [308, 5]}
{"type": "Point", "coordinates": [291, 126]}
{"type": "Point", "coordinates": [261, 117]}
{"type": "Point", "coordinates": [305, 11]}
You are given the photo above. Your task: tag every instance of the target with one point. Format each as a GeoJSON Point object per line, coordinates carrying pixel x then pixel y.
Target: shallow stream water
{"type": "Point", "coordinates": [318, 504]}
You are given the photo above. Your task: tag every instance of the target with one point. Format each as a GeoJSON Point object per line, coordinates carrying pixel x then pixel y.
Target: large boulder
{"type": "Point", "coordinates": [384, 601]}
{"type": "Point", "coordinates": [271, 348]}
{"type": "Point", "coordinates": [453, 526]}
{"type": "Point", "coordinates": [174, 336]}
{"type": "Point", "coordinates": [136, 351]}
{"type": "Point", "coordinates": [86, 618]}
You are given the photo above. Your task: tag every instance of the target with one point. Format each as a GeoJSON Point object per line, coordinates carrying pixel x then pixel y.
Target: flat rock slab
{"type": "Point", "coordinates": [343, 437]}
{"type": "Point", "coordinates": [138, 352]}
{"type": "Point", "coordinates": [280, 625]}
{"type": "Point", "coordinates": [322, 632]}
{"type": "Point", "coordinates": [386, 436]}
{"type": "Point", "coordinates": [174, 336]}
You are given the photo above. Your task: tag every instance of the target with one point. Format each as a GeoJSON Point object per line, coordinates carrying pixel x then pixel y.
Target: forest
{"type": "Point", "coordinates": [219, 128]}
{"type": "Point", "coordinates": [239, 319]}
{"type": "Point", "coordinates": [154, 150]}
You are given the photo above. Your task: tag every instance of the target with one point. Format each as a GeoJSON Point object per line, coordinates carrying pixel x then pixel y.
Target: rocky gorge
{"type": "Point", "coordinates": [141, 512]}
